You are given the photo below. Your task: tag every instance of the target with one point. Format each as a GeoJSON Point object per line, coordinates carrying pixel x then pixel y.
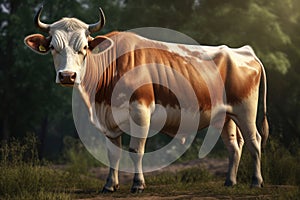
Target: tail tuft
{"type": "Point", "coordinates": [264, 131]}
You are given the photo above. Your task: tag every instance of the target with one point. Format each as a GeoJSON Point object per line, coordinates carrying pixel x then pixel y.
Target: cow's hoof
{"type": "Point", "coordinates": [109, 190]}
{"type": "Point", "coordinates": [137, 190]}
{"type": "Point", "coordinates": [106, 191]}
{"type": "Point", "coordinates": [229, 183]}
{"type": "Point", "coordinates": [256, 183]}
{"type": "Point", "coordinates": [138, 187]}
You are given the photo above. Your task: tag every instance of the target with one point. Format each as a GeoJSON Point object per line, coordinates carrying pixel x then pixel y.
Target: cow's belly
{"type": "Point", "coordinates": [172, 120]}
{"type": "Point", "coordinates": [168, 120]}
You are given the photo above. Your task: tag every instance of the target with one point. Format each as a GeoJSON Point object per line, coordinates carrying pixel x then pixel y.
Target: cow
{"type": "Point", "coordinates": [70, 42]}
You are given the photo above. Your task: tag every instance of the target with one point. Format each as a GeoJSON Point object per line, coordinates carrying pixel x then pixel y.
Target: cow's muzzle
{"type": "Point", "coordinates": [67, 78]}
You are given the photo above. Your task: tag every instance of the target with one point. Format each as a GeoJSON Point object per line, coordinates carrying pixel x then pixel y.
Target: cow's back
{"type": "Point", "coordinates": [239, 69]}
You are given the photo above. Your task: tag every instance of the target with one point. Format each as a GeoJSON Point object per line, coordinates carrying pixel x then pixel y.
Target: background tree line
{"type": "Point", "coordinates": [31, 102]}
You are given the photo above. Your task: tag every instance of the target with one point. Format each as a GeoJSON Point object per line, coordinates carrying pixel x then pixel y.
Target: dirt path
{"type": "Point", "coordinates": [213, 165]}
{"type": "Point", "coordinates": [216, 166]}
{"type": "Point", "coordinates": [179, 197]}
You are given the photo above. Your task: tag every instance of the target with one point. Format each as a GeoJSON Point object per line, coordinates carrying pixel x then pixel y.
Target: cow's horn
{"type": "Point", "coordinates": [98, 26]}
{"type": "Point", "coordinates": [42, 26]}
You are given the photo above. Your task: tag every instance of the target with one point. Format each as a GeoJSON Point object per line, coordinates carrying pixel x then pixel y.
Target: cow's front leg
{"type": "Point", "coordinates": [114, 155]}
{"type": "Point", "coordinates": [139, 127]}
{"type": "Point", "coordinates": [136, 149]}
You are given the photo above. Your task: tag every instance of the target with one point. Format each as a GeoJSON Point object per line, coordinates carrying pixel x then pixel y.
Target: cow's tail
{"type": "Point", "coordinates": [265, 125]}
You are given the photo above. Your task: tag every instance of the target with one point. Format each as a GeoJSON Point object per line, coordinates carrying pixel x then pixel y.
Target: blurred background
{"type": "Point", "coordinates": [31, 103]}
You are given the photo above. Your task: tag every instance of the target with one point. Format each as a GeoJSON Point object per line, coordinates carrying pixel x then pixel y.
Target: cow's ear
{"type": "Point", "coordinates": [38, 43]}
{"type": "Point", "coordinates": [100, 44]}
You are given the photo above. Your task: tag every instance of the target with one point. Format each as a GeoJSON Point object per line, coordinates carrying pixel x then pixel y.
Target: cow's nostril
{"type": "Point", "coordinates": [60, 77]}
{"type": "Point", "coordinates": [73, 77]}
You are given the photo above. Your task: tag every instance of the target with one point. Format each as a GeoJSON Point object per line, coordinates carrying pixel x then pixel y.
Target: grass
{"type": "Point", "coordinates": [185, 176]}
{"type": "Point", "coordinates": [279, 166]}
{"type": "Point", "coordinates": [23, 176]}
{"type": "Point", "coordinates": [179, 186]}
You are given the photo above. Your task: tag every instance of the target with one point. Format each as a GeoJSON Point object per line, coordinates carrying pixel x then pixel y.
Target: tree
{"type": "Point", "coordinates": [29, 95]}
{"type": "Point", "coordinates": [271, 28]}
{"type": "Point", "coordinates": [167, 14]}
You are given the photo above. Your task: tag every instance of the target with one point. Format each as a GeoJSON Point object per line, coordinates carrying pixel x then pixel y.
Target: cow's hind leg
{"type": "Point", "coordinates": [253, 142]}
{"type": "Point", "coordinates": [114, 155]}
{"type": "Point", "coordinates": [139, 127]}
{"type": "Point", "coordinates": [233, 141]}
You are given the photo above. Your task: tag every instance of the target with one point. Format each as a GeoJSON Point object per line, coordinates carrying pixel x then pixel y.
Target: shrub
{"type": "Point", "coordinates": [23, 176]}
{"type": "Point", "coordinates": [78, 159]}
{"type": "Point", "coordinates": [279, 166]}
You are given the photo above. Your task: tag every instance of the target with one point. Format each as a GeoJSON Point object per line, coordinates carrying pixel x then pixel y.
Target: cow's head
{"type": "Point", "coordinates": [69, 41]}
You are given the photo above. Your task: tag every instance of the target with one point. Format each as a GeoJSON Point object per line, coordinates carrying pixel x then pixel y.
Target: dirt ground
{"type": "Point", "coordinates": [216, 166]}
{"type": "Point", "coordinates": [179, 197]}
{"type": "Point", "coordinates": [213, 165]}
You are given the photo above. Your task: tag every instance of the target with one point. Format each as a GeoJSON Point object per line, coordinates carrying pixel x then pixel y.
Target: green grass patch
{"type": "Point", "coordinates": [279, 166]}
{"type": "Point", "coordinates": [23, 176]}
{"type": "Point", "coordinates": [183, 176]}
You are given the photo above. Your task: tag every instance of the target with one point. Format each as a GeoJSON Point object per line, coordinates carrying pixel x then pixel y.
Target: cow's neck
{"type": "Point", "coordinates": [98, 79]}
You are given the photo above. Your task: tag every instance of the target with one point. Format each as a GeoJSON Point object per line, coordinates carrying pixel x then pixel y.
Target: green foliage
{"type": "Point", "coordinates": [281, 60]}
{"type": "Point", "coordinates": [24, 176]}
{"type": "Point", "coordinates": [78, 158]}
{"type": "Point", "coordinates": [239, 23]}
{"type": "Point", "coordinates": [16, 153]}
{"type": "Point", "coordinates": [279, 166]}
{"type": "Point", "coordinates": [192, 152]}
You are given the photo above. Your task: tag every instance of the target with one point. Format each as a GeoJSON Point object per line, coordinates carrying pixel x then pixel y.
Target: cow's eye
{"type": "Point", "coordinates": [81, 51]}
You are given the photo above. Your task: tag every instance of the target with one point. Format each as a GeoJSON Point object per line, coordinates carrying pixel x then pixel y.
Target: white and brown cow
{"type": "Point", "coordinates": [71, 46]}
